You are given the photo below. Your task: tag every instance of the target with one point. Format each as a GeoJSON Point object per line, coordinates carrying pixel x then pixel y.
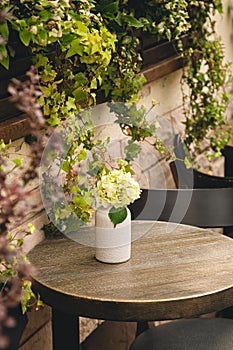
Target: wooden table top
{"type": "Point", "coordinates": [182, 273]}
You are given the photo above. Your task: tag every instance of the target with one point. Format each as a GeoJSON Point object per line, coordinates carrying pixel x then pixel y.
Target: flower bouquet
{"type": "Point", "coordinates": [115, 190]}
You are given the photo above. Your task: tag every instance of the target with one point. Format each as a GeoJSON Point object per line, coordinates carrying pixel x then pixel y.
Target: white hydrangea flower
{"type": "Point", "coordinates": [117, 189]}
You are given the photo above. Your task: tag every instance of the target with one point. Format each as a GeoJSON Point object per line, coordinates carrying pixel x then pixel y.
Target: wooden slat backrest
{"type": "Point", "coordinates": [198, 207]}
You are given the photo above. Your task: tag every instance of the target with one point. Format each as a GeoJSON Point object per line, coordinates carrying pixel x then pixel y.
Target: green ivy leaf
{"type": "Point", "coordinates": [28, 296]}
{"type": "Point", "coordinates": [17, 161]}
{"type": "Point", "coordinates": [117, 215]}
{"type": "Point", "coordinates": [82, 28]}
{"type": "Point", "coordinates": [80, 79]}
{"type": "Point", "coordinates": [111, 9]}
{"type": "Point", "coordinates": [25, 36]}
{"type": "Point", "coordinates": [5, 62]}
{"type": "Point", "coordinates": [20, 242]}
{"type": "Point", "coordinates": [70, 104]}
{"type": "Point", "coordinates": [4, 30]}
{"type": "Point", "coordinates": [132, 150]}
{"type": "Point", "coordinates": [75, 48]}
{"type": "Point", "coordinates": [82, 155]}
{"type": "Point", "coordinates": [94, 83]}
{"type": "Point", "coordinates": [31, 228]}
{"type": "Point", "coordinates": [41, 61]}
{"type": "Point", "coordinates": [66, 166]}
{"type": "Point", "coordinates": [187, 163]}
{"type": "Point", "coordinates": [45, 15]}
{"type": "Point", "coordinates": [134, 22]}
{"type": "Point", "coordinates": [79, 94]}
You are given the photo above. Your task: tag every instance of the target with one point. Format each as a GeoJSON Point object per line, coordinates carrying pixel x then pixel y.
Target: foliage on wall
{"type": "Point", "coordinates": [209, 81]}
{"type": "Point", "coordinates": [81, 47]}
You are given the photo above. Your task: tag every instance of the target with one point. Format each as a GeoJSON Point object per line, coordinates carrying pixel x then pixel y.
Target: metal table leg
{"type": "Point", "coordinates": [228, 171]}
{"type": "Point", "coordinates": [65, 329]}
{"type": "Point", "coordinates": [142, 326]}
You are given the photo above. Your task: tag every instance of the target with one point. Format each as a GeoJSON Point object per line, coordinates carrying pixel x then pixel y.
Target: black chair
{"type": "Point", "coordinates": [192, 178]}
{"type": "Point", "coordinates": [227, 152]}
{"type": "Point", "coordinates": [203, 207]}
{"type": "Point", "coordinates": [207, 207]}
{"type": "Point", "coordinates": [193, 334]}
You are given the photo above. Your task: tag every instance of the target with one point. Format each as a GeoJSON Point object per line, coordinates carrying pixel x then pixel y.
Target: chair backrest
{"type": "Point", "coordinates": [228, 164]}
{"type": "Point", "coordinates": [198, 207]}
{"type": "Point", "coordinates": [192, 178]}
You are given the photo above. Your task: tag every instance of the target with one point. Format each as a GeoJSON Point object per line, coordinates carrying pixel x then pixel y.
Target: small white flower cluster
{"type": "Point", "coordinates": [117, 189]}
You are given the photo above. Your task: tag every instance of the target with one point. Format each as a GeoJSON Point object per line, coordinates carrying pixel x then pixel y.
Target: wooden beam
{"type": "Point", "coordinates": [14, 128]}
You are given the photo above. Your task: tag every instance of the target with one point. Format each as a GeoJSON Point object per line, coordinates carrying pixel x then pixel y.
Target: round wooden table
{"type": "Point", "coordinates": [175, 271]}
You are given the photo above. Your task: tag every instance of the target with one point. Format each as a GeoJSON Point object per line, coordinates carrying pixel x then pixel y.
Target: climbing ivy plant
{"type": "Point", "coordinates": [208, 78]}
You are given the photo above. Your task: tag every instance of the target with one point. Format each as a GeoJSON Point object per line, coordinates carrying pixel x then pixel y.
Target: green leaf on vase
{"type": "Point", "coordinates": [117, 215]}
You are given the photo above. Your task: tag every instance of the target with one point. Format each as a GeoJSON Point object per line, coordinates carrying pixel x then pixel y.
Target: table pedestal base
{"type": "Point", "coordinates": [65, 331]}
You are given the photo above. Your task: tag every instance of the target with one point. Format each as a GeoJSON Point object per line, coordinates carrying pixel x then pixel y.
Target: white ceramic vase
{"type": "Point", "coordinates": [113, 245]}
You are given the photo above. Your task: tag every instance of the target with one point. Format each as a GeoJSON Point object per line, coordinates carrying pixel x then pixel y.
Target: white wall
{"type": "Point", "coordinates": [224, 27]}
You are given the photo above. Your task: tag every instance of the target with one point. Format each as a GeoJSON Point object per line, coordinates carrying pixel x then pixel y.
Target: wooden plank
{"type": "Point", "coordinates": [158, 53]}
{"type": "Point", "coordinates": [163, 68]}
{"type": "Point", "coordinates": [42, 340]}
{"type": "Point", "coordinates": [14, 128]}
{"type": "Point", "coordinates": [36, 321]}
